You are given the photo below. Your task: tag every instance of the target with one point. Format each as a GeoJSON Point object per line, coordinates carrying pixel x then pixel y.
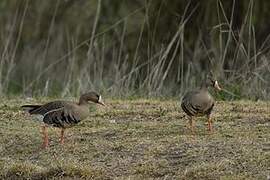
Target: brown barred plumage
{"type": "Point", "coordinates": [63, 114]}
{"type": "Point", "coordinates": [200, 102]}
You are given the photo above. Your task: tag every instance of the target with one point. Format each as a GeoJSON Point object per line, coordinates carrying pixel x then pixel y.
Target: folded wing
{"type": "Point", "coordinates": [62, 117]}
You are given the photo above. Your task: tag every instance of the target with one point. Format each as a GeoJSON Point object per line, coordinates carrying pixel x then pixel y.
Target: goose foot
{"type": "Point", "coordinates": [62, 136]}
{"type": "Point", "coordinates": [191, 125]}
{"type": "Point", "coordinates": [210, 126]}
{"type": "Point", "coordinates": [45, 137]}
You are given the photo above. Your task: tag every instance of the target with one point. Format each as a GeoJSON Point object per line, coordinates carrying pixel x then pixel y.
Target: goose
{"type": "Point", "coordinates": [200, 102]}
{"type": "Point", "coordinates": [62, 114]}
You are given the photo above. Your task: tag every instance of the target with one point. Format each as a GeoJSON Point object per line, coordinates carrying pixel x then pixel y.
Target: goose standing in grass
{"type": "Point", "coordinates": [200, 102]}
{"type": "Point", "coordinates": [62, 114]}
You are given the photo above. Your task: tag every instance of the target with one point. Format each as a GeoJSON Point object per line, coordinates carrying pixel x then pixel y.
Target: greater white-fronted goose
{"type": "Point", "coordinates": [62, 114]}
{"type": "Point", "coordinates": [200, 102]}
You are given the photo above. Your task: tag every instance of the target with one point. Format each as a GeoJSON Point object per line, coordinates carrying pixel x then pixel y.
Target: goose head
{"type": "Point", "coordinates": [91, 97]}
{"type": "Point", "coordinates": [211, 82]}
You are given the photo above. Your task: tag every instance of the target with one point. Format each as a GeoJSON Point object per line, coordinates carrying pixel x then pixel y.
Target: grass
{"type": "Point", "coordinates": [139, 139]}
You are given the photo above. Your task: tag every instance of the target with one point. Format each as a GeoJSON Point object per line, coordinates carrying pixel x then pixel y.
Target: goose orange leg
{"type": "Point", "coordinates": [191, 124]}
{"type": "Point", "coordinates": [210, 127]}
{"type": "Point", "coordinates": [45, 137]}
{"type": "Point", "coordinates": [62, 136]}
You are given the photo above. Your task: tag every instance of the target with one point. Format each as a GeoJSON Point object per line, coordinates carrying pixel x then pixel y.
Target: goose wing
{"type": "Point", "coordinates": [62, 117]}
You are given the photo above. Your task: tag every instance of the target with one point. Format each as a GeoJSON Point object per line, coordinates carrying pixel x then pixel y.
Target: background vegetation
{"type": "Point", "coordinates": [123, 48]}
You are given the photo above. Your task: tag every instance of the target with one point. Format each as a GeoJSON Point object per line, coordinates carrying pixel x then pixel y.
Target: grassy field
{"type": "Point", "coordinates": [139, 139]}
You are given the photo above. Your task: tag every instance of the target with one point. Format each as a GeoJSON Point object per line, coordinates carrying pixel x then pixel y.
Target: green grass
{"type": "Point", "coordinates": [139, 139]}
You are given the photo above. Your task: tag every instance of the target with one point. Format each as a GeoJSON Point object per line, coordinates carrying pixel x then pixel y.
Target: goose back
{"type": "Point", "coordinates": [43, 109]}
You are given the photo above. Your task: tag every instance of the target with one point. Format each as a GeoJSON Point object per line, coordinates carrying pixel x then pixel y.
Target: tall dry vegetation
{"type": "Point", "coordinates": [150, 48]}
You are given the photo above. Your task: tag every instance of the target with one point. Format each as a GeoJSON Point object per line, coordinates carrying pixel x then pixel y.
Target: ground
{"type": "Point", "coordinates": [139, 139]}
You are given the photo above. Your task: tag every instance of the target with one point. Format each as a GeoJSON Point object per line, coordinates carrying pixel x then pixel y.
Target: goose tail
{"type": "Point", "coordinates": [30, 108]}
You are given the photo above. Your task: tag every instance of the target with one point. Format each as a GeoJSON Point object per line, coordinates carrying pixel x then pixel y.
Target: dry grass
{"type": "Point", "coordinates": [140, 139]}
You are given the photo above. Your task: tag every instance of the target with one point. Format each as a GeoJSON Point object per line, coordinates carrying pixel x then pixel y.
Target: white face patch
{"type": "Point", "coordinates": [217, 86]}
{"type": "Point", "coordinates": [99, 99]}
